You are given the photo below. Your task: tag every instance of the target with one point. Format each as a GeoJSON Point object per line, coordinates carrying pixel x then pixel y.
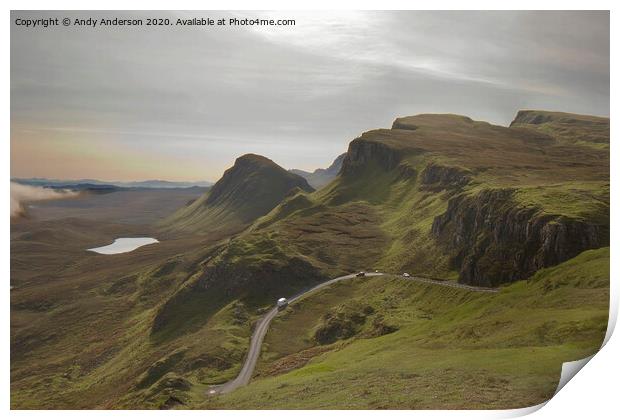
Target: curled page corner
{"type": "Point", "coordinates": [519, 412]}
{"type": "Point", "coordinates": [613, 315]}
{"type": "Point", "coordinates": [569, 370]}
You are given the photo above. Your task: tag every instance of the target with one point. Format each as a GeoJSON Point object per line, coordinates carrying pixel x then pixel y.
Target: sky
{"type": "Point", "coordinates": [181, 103]}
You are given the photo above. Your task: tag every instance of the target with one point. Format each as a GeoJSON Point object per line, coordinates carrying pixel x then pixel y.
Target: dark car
{"type": "Point", "coordinates": [360, 274]}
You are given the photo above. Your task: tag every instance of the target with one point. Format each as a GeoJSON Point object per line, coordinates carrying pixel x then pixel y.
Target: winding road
{"type": "Point", "coordinates": [263, 325]}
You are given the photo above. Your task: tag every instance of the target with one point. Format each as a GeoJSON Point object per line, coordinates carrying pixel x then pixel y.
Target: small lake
{"type": "Point", "coordinates": [121, 245]}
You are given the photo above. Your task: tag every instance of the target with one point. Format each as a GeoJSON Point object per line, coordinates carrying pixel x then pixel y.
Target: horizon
{"type": "Point", "coordinates": [120, 111]}
{"type": "Point", "coordinates": [111, 181]}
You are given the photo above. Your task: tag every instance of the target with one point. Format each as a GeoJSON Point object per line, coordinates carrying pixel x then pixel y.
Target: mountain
{"type": "Point", "coordinates": [91, 183]}
{"type": "Point", "coordinates": [446, 196]}
{"type": "Point", "coordinates": [248, 190]}
{"type": "Point", "coordinates": [523, 208]}
{"type": "Point", "coordinates": [321, 177]}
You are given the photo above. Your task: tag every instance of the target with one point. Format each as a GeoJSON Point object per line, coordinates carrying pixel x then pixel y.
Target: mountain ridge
{"type": "Point", "coordinates": [417, 183]}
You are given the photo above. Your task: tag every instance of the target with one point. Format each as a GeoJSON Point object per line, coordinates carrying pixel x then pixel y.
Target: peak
{"type": "Point", "coordinates": [251, 188]}
{"type": "Point", "coordinates": [253, 158]}
{"type": "Point", "coordinates": [250, 166]}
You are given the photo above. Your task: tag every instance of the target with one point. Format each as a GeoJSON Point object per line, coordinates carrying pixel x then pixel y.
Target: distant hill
{"type": "Point", "coordinates": [248, 190]}
{"type": "Point", "coordinates": [79, 184]}
{"type": "Point", "coordinates": [165, 184]}
{"type": "Point", "coordinates": [321, 177]}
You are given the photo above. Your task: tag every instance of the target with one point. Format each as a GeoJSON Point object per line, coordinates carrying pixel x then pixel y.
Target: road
{"type": "Point", "coordinates": [263, 325]}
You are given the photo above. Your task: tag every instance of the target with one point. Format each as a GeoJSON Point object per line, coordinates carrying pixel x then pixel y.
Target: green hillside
{"type": "Point", "coordinates": [396, 343]}
{"type": "Point", "coordinates": [585, 130]}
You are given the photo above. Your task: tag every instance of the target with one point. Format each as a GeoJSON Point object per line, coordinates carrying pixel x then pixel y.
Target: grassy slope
{"type": "Point", "coordinates": [81, 323]}
{"type": "Point", "coordinates": [585, 130]}
{"type": "Point", "coordinates": [104, 354]}
{"type": "Point", "coordinates": [374, 220]}
{"type": "Point", "coordinates": [453, 348]}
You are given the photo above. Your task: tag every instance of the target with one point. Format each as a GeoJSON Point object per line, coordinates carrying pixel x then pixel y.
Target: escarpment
{"type": "Point", "coordinates": [363, 153]}
{"type": "Point", "coordinates": [494, 240]}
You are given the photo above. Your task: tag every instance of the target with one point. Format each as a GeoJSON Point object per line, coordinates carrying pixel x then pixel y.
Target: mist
{"type": "Point", "coordinates": [21, 194]}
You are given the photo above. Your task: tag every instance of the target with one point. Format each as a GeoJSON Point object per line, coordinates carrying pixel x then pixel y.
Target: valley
{"type": "Point", "coordinates": [523, 210]}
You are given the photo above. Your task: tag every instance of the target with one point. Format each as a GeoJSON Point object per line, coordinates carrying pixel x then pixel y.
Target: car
{"type": "Point", "coordinates": [406, 275]}
{"type": "Point", "coordinates": [360, 274]}
{"type": "Point", "coordinates": [281, 303]}
{"type": "Point", "coordinates": [376, 271]}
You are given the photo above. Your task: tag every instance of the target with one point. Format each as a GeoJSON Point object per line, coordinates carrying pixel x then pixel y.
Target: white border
{"type": "Point", "coordinates": [593, 394]}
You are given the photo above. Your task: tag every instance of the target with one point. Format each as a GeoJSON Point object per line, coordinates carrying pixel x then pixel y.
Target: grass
{"type": "Point", "coordinates": [578, 200]}
{"type": "Point", "coordinates": [583, 130]}
{"type": "Point", "coordinates": [81, 323]}
{"type": "Point", "coordinates": [452, 349]}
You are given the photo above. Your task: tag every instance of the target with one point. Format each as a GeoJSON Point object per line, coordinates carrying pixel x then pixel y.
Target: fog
{"type": "Point", "coordinates": [21, 194]}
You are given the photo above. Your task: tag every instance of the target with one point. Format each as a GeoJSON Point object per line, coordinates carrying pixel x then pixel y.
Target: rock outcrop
{"type": "Point", "coordinates": [494, 240]}
{"type": "Point", "coordinates": [437, 177]}
{"type": "Point", "coordinates": [363, 153]}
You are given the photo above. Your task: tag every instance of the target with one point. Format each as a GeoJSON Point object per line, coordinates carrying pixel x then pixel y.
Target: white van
{"type": "Point", "coordinates": [281, 303]}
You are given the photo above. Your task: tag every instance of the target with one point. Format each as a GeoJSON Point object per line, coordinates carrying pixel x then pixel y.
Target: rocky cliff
{"type": "Point", "coordinates": [436, 177]}
{"type": "Point", "coordinates": [363, 153]}
{"type": "Point", "coordinates": [495, 240]}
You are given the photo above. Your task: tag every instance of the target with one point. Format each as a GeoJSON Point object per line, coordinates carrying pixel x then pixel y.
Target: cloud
{"type": "Point", "coordinates": [192, 99]}
{"type": "Point", "coordinates": [23, 194]}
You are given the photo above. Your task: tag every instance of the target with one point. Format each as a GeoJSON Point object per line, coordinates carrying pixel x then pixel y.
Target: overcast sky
{"type": "Point", "coordinates": [181, 103]}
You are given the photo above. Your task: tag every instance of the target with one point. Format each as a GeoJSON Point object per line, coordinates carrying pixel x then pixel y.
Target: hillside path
{"type": "Point", "coordinates": [263, 325]}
